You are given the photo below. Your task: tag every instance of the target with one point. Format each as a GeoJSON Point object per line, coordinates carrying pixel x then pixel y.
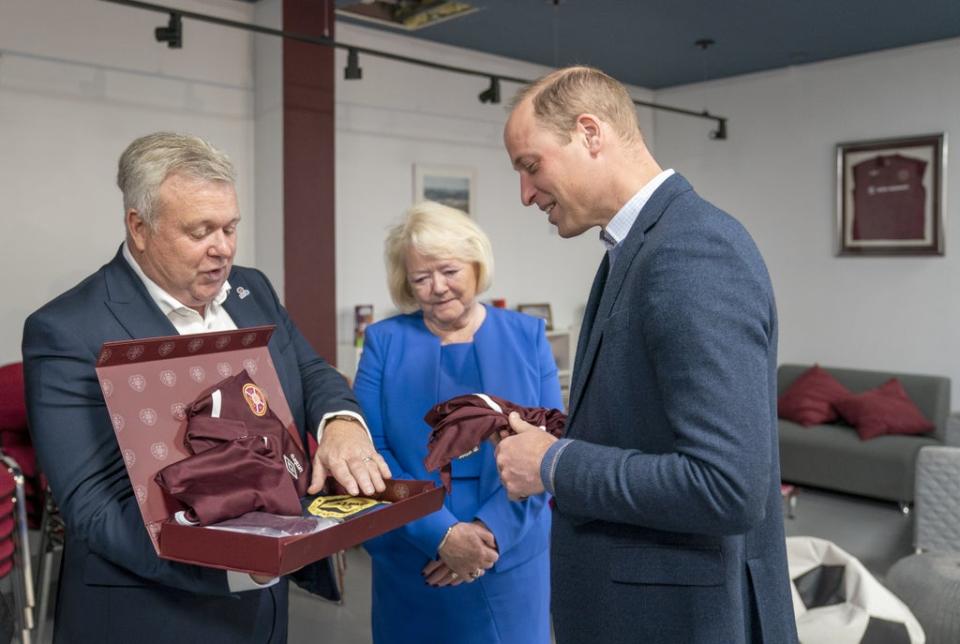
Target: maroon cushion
{"type": "Point", "coordinates": [809, 400]}
{"type": "Point", "coordinates": [13, 406]}
{"type": "Point", "coordinates": [884, 410]}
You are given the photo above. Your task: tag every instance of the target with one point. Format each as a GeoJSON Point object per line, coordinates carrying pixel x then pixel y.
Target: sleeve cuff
{"type": "Point", "coordinates": [239, 582]}
{"type": "Point", "coordinates": [326, 418]}
{"type": "Point", "coordinates": [548, 466]}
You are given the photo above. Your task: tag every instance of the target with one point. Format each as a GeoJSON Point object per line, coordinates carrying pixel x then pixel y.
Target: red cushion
{"type": "Point", "coordinates": [13, 407]}
{"type": "Point", "coordinates": [884, 410]}
{"type": "Point", "coordinates": [809, 400]}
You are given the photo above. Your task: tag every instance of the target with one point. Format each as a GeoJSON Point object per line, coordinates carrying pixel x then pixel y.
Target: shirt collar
{"type": "Point", "coordinates": [167, 303]}
{"type": "Point", "coordinates": [617, 228]}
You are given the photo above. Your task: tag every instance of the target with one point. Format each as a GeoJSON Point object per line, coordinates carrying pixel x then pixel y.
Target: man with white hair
{"type": "Point", "coordinates": [173, 274]}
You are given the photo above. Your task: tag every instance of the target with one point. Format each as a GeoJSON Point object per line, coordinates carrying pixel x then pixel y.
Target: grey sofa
{"type": "Point", "coordinates": [833, 456]}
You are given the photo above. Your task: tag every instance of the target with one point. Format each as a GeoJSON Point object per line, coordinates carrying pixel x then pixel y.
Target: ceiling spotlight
{"type": "Point", "coordinates": [352, 71]}
{"type": "Point", "coordinates": [492, 93]}
{"type": "Point", "coordinates": [720, 134]}
{"type": "Point", "coordinates": [172, 34]}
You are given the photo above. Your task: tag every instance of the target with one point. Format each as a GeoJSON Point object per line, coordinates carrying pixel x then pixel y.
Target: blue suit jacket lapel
{"type": "Point", "coordinates": [245, 311]}
{"type": "Point", "coordinates": [647, 219]}
{"type": "Point", "coordinates": [130, 303]}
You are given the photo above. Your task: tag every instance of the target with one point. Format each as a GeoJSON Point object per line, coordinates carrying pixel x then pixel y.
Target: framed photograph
{"type": "Point", "coordinates": [538, 311]}
{"type": "Point", "coordinates": [890, 196]}
{"type": "Point", "coordinates": [452, 186]}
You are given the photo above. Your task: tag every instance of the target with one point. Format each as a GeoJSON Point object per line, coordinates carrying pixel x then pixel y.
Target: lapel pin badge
{"type": "Point", "coordinates": [242, 292]}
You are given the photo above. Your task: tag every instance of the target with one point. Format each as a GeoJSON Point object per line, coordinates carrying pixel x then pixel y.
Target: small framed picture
{"type": "Point", "coordinates": [890, 195]}
{"type": "Point", "coordinates": [538, 311]}
{"type": "Point", "coordinates": [453, 186]}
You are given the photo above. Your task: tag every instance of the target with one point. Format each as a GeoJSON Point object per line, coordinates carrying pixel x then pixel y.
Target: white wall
{"type": "Point", "coordinates": [79, 80]}
{"type": "Point", "coordinates": [776, 173]}
{"type": "Point", "coordinates": [400, 115]}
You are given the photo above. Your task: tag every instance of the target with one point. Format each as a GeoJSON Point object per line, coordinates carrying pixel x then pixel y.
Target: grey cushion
{"type": "Point", "coordinates": [834, 457]}
{"type": "Point", "coordinates": [930, 585]}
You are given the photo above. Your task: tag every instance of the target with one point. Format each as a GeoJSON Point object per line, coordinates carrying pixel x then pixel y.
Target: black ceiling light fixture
{"type": "Point", "coordinates": [353, 71]}
{"type": "Point", "coordinates": [492, 93]}
{"type": "Point", "coordinates": [720, 133]}
{"type": "Point", "coordinates": [172, 34]}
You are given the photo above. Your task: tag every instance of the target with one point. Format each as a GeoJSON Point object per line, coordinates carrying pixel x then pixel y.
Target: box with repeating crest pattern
{"type": "Point", "coordinates": [148, 385]}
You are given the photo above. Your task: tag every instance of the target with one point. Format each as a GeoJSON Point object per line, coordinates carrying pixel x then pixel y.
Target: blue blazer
{"type": "Point", "coordinates": [113, 587]}
{"type": "Point", "coordinates": [396, 385]}
{"type": "Point", "coordinates": [669, 525]}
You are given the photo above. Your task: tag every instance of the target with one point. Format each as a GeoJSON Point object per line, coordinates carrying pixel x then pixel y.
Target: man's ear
{"type": "Point", "coordinates": [590, 132]}
{"type": "Point", "coordinates": [137, 230]}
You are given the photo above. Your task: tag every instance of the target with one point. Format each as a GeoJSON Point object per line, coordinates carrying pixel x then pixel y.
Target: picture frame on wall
{"type": "Point", "coordinates": [542, 311]}
{"type": "Point", "coordinates": [453, 186]}
{"type": "Point", "coordinates": [890, 196]}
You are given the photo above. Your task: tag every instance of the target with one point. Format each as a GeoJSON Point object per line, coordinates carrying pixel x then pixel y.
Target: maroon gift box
{"type": "Point", "coordinates": [148, 384]}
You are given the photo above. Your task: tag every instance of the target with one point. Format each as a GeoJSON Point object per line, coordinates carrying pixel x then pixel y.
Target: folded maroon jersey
{"type": "Point", "coordinates": [243, 460]}
{"type": "Point", "coordinates": [461, 424]}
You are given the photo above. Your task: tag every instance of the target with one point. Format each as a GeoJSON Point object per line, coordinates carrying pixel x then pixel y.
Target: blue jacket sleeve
{"type": "Point", "coordinates": [425, 533]}
{"type": "Point", "coordinates": [509, 521]}
{"type": "Point", "coordinates": [78, 452]}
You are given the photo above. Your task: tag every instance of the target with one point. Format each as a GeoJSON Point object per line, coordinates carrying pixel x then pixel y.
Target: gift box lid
{"type": "Point", "coordinates": [148, 385]}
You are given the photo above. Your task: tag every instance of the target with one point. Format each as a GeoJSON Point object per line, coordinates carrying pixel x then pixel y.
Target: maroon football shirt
{"type": "Point", "coordinates": [462, 423]}
{"type": "Point", "coordinates": [243, 460]}
{"type": "Point", "coordinates": [889, 198]}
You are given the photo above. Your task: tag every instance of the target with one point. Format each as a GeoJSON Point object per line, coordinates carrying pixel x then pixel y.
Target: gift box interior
{"type": "Point", "coordinates": [148, 386]}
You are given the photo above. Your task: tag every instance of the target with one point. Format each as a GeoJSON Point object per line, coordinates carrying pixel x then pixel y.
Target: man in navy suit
{"type": "Point", "coordinates": [173, 274]}
{"type": "Point", "coordinates": [668, 524]}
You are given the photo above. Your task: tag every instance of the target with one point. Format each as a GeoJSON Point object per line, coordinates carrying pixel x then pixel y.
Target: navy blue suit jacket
{"type": "Point", "coordinates": [113, 587]}
{"type": "Point", "coordinates": [669, 525]}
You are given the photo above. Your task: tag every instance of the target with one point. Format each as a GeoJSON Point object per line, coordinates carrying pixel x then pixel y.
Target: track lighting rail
{"type": "Point", "coordinates": [484, 96]}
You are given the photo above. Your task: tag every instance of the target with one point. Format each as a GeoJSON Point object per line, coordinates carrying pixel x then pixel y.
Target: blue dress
{"type": "Point", "coordinates": [403, 372]}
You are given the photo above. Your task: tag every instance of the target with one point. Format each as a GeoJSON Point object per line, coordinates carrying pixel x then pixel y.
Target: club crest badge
{"type": "Point", "coordinates": [137, 382]}
{"type": "Point", "coordinates": [148, 417]}
{"type": "Point", "coordinates": [198, 374]}
{"type": "Point", "coordinates": [256, 399]}
{"type": "Point", "coordinates": [248, 339]}
{"type": "Point", "coordinates": [117, 421]}
{"type": "Point", "coordinates": [107, 388]}
{"type": "Point", "coordinates": [105, 355]}
{"type": "Point", "coordinates": [250, 365]}
{"type": "Point", "coordinates": [166, 349]}
{"type": "Point", "coordinates": [224, 369]}
{"type": "Point", "coordinates": [141, 493]}
{"type": "Point", "coordinates": [401, 490]}
{"type": "Point", "coordinates": [242, 292]}
{"type": "Point", "coordinates": [168, 377]}
{"type": "Point", "coordinates": [178, 410]}
{"type": "Point", "coordinates": [129, 457]}
{"type": "Point", "coordinates": [159, 451]}
{"type": "Point", "coordinates": [134, 352]}
{"type": "Point", "coordinates": [195, 345]}
{"type": "Point", "coordinates": [222, 342]}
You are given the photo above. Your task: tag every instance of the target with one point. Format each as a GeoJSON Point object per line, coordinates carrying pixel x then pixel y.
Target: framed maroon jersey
{"type": "Point", "coordinates": [889, 198]}
{"type": "Point", "coordinates": [890, 195]}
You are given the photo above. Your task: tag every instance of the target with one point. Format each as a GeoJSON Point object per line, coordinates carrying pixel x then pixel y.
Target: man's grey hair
{"type": "Point", "coordinates": [149, 160]}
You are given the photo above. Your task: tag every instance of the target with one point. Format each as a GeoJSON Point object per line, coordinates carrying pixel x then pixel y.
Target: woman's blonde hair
{"type": "Point", "coordinates": [439, 231]}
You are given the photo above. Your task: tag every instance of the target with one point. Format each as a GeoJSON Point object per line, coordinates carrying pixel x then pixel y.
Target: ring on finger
{"type": "Point", "coordinates": [367, 459]}
{"type": "Point", "coordinates": [476, 573]}
{"type": "Point", "coordinates": [454, 575]}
